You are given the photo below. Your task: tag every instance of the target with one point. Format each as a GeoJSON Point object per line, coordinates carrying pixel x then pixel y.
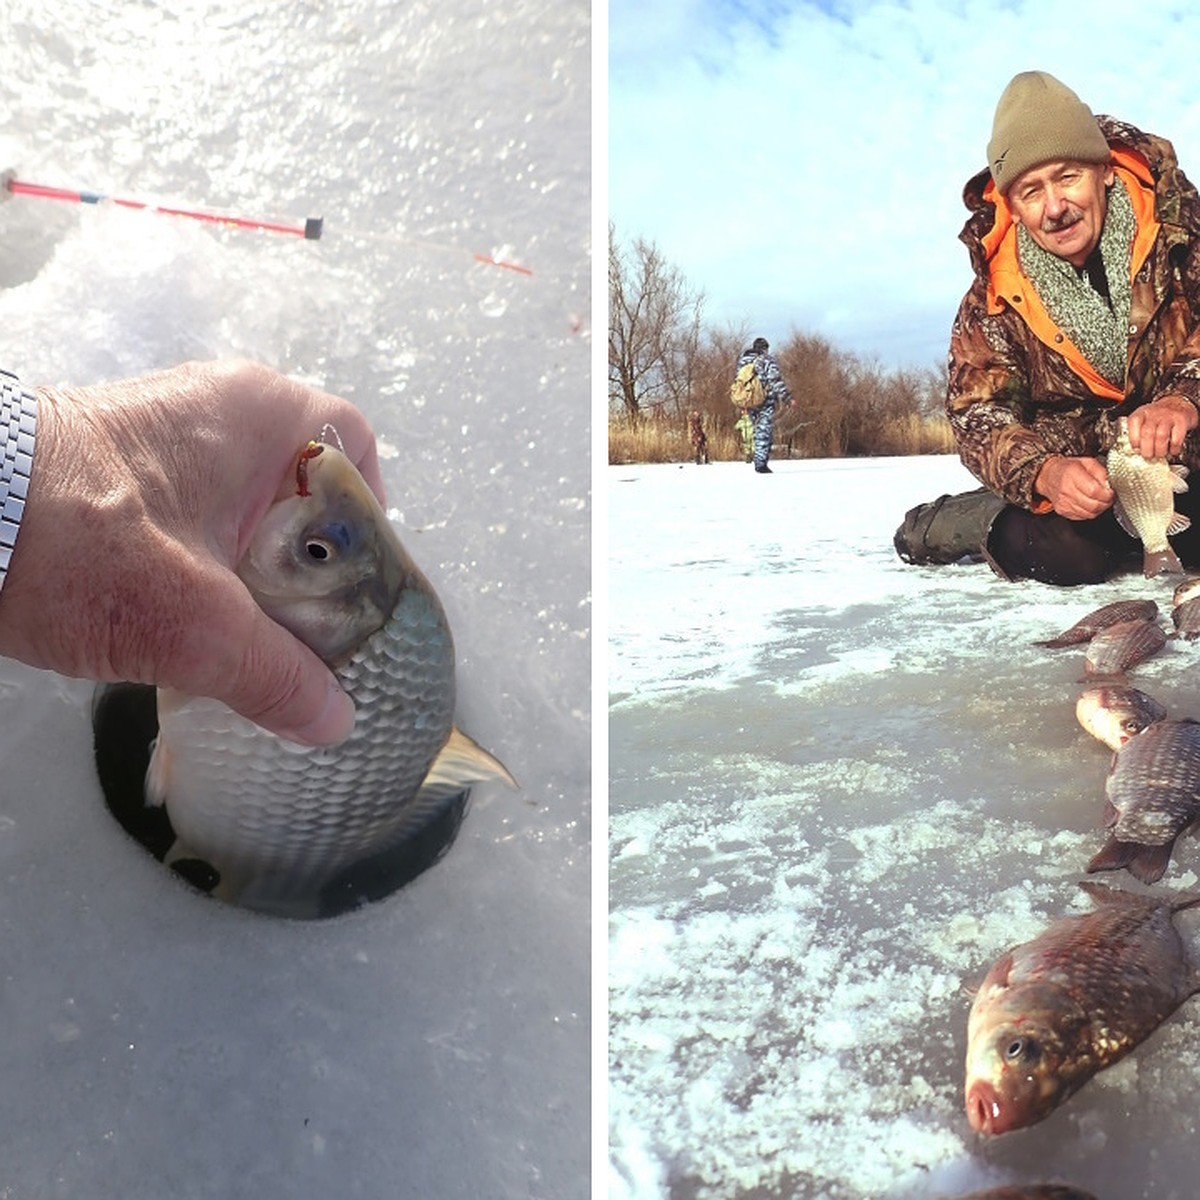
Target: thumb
{"type": "Point", "coordinates": [284, 687]}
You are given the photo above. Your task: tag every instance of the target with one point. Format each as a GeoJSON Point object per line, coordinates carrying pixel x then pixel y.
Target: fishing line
{"type": "Point", "coordinates": [310, 229]}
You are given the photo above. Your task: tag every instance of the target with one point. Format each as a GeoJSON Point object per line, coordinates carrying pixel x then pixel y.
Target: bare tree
{"type": "Point", "coordinates": [654, 324]}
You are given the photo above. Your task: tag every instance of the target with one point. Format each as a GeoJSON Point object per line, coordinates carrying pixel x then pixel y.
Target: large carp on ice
{"type": "Point", "coordinates": [277, 821]}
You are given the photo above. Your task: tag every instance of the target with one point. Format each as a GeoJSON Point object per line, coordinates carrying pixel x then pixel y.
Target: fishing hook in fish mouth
{"type": "Point", "coordinates": [309, 452]}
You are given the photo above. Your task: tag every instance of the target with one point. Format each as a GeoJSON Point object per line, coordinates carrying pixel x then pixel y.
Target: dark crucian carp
{"type": "Point", "coordinates": [1078, 997]}
{"type": "Point", "coordinates": [1114, 650]}
{"type": "Point", "coordinates": [1186, 617]}
{"type": "Point", "coordinates": [1153, 795]}
{"type": "Point", "coordinates": [1109, 614]}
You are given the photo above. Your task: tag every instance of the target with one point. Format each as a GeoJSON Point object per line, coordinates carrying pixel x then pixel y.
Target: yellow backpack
{"type": "Point", "coordinates": [746, 390]}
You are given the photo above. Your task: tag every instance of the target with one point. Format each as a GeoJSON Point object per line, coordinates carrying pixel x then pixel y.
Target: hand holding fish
{"type": "Point", "coordinates": [1077, 488]}
{"type": "Point", "coordinates": [143, 498]}
{"type": "Point", "coordinates": [1157, 429]}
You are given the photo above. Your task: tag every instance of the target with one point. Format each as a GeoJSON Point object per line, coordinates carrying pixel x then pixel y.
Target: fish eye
{"type": "Point", "coordinates": [319, 550]}
{"type": "Point", "coordinates": [1019, 1048]}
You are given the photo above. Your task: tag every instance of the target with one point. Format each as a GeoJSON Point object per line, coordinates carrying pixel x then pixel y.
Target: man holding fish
{"type": "Point", "coordinates": [1077, 342]}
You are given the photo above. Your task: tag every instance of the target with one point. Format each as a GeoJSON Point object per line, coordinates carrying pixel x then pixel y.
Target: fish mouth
{"type": "Point", "coordinates": [984, 1110]}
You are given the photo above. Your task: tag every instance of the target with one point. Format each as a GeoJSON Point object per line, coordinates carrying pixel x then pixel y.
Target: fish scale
{"type": "Point", "coordinates": [1153, 795]}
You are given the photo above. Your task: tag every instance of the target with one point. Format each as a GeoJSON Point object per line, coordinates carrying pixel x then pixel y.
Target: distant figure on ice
{"type": "Point", "coordinates": [1085, 240]}
{"type": "Point", "coordinates": [744, 428]}
{"type": "Point", "coordinates": [773, 391]}
{"type": "Point", "coordinates": [699, 438]}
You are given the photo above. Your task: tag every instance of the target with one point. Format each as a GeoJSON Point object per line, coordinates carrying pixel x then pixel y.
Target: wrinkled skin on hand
{"type": "Point", "coordinates": [143, 498]}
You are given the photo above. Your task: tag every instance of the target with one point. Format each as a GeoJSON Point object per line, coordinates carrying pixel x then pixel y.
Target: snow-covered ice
{"type": "Point", "coordinates": [436, 1044]}
{"type": "Point", "coordinates": [841, 786]}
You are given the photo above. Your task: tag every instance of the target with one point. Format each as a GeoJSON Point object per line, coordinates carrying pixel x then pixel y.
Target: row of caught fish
{"type": "Point", "coordinates": [1083, 993]}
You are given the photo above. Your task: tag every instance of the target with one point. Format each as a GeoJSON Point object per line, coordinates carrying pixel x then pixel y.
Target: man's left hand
{"type": "Point", "coordinates": [1157, 429]}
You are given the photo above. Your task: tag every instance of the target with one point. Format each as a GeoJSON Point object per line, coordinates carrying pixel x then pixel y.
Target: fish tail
{"type": "Point", "coordinates": [1146, 863]}
{"type": "Point", "coordinates": [1161, 562]}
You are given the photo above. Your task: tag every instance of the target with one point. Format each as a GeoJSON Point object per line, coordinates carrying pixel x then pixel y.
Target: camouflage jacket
{"type": "Point", "coordinates": [776, 390]}
{"type": "Point", "coordinates": [1019, 390]}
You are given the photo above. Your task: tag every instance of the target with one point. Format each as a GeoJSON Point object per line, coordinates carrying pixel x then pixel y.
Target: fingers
{"type": "Point", "coordinates": [284, 687]}
{"type": "Point", "coordinates": [1158, 430]}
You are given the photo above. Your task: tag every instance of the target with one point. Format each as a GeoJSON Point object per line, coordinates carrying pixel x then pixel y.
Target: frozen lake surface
{"type": "Point", "coordinates": [436, 1044]}
{"type": "Point", "coordinates": [840, 788]}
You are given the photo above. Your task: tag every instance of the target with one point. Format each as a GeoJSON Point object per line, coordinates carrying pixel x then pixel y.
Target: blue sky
{"type": "Point", "coordinates": [803, 163]}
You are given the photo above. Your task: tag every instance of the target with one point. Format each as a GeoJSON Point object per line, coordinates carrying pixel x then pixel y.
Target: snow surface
{"type": "Point", "coordinates": [842, 786]}
{"type": "Point", "coordinates": [436, 1044]}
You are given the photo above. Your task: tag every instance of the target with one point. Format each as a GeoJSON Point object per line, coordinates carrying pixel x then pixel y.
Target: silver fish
{"type": "Point", "coordinates": [1114, 712]}
{"type": "Point", "coordinates": [1153, 795]}
{"type": "Point", "coordinates": [1114, 650]}
{"type": "Point", "coordinates": [1078, 997]}
{"type": "Point", "coordinates": [279, 822]}
{"type": "Point", "coordinates": [1109, 614]}
{"type": "Point", "coordinates": [1145, 505]}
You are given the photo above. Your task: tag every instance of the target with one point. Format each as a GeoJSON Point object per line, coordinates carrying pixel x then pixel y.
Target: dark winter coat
{"type": "Point", "coordinates": [1019, 390]}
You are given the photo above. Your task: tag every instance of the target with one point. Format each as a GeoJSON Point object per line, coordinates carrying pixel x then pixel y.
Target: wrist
{"type": "Point", "coordinates": [18, 426]}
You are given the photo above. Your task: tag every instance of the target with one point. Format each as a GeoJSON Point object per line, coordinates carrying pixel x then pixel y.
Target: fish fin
{"type": "Point", "coordinates": [1056, 643]}
{"type": "Point", "coordinates": [1123, 520]}
{"type": "Point", "coordinates": [1111, 816]}
{"type": "Point", "coordinates": [1178, 474]}
{"type": "Point", "coordinates": [158, 774]}
{"type": "Point", "coordinates": [1179, 522]}
{"type": "Point", "coordinates": [1161, 562]}
{"type": "Point", "coordinates": [1146, 863]}
{"type": "Point", "coordinates": [463, 761]}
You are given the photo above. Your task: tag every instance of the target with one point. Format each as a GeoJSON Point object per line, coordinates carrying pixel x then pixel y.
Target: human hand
{"type": "Point", "coordinates": [143, 497]}
{"type": "Point", "coordinates": [1157, 429]}
{"type": "Point", "coordinates": [1077, 488]}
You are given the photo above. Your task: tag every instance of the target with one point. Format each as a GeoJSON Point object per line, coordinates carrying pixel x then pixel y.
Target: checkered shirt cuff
{"type": "Point", "coordinates": [18, 423]}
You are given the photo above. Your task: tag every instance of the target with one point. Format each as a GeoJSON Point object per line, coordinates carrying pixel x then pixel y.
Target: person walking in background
{"type": "Point", "coordinates": [775, 394]}
{"type": "Point", "coordinates": [698, 437]}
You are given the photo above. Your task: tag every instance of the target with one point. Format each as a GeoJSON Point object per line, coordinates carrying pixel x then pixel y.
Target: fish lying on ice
{"type": "Point", "coordinates": [1078, 997]}
{"type": "Point", "coordinates": [1114, 712]}
{"type": "Point", "coordinates": [1189, 589]}
{"type": "Point", "coordinates": [1153, 795]}
{"type": "Point", "coordinates": [1186, 618]}
{"type": "Point", "coordinates": [277, 821]}
{"type": "Point", "coordinates": [1109, 614]}
{"type": "Point", "coordinates": [1145, 505]}
{"type": "Point", "coordinates": [1112, 651]}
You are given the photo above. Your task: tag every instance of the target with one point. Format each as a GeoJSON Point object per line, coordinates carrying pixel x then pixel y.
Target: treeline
{"type": "Point", "coordinates": [664, 363]}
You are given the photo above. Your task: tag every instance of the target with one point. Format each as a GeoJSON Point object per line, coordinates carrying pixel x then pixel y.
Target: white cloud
{"type": "Point", "coordinates": [804, 164]}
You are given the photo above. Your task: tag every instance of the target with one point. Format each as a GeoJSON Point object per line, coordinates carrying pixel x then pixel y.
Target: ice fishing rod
{"type": "Point", "coordinates": [310, 230]}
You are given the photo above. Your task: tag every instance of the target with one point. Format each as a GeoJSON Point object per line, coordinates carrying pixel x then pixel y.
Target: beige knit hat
{"type": "Point", "coordinates": [1040, 120]}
